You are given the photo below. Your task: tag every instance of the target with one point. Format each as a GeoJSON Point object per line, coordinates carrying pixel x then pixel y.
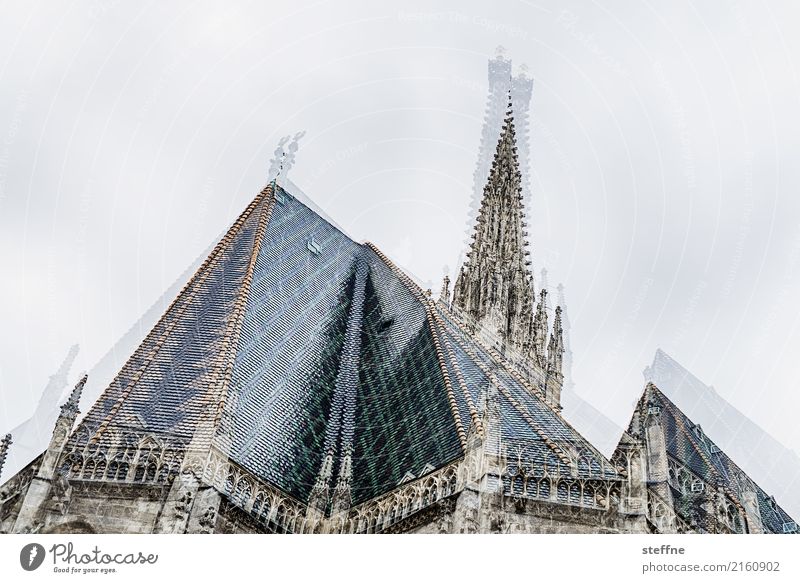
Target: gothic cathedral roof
{"type": "Point", "coordinates": [322, 369]}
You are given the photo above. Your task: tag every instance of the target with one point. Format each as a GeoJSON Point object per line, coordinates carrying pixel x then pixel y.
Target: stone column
{"type": "Point", "coordinates": [634, 489]}
{"type": "Point", "coordinates": [657, 464]}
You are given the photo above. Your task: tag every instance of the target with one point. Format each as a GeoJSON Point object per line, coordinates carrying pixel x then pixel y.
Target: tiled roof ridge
{"type": "Point", "coordinates": [191, 288]}
{"type": "Point", "coordinates": [509, 366]}
{"type": "Point", "coordinates": [402, 275]}
{"type": "Point", "coordinates": [234, 328]}
{"type": "Point", "coordinates": [473, 410]}
{"type": "Point", "coordinates": [522, 410]}
{"type": "Point", "coordinates": [512, 370]}
{"type": "Point", "coordinates": [451, 399]}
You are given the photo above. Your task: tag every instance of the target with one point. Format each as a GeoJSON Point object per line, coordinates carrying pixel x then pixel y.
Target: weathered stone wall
{"type": "Point", "coordinates": [494, 513]}
{"type": "Point", "coordinates": [9, 510]}
{"type": "Point", "coordinates": [521, 515]}
{"type": "Point", "coordinates": [232, 520]}
{"type": "Point", "coordinates": [109, 507]}
{"type": "Point", "coordinates": [12, 495]}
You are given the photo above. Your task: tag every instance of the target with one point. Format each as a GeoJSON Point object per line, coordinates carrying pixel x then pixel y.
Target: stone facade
{"type": "Point", "coordinates": [485, 492]}
{"type": "Point", "coordinates": [409, 415]}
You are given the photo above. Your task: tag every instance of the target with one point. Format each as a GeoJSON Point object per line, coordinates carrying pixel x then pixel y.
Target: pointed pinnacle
{"type": "Point", "coordinates": [71, 405]}
{"type": "Point", "coordinates": [542, 305]}
{"type": "Point", "coordinates": [5, 444]}
{"type": "Point", "coordinates": [557, 321]}
{"type": "Point", "coordinates": [444, 294]}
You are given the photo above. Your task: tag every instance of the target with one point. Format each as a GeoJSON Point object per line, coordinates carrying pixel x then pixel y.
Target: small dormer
{"type": "Point", "coordinates": [313, 246]}
{"type": "Point", "coordinates": [407, 477]}
{"type": "Point", "coordinates": [427, 469]}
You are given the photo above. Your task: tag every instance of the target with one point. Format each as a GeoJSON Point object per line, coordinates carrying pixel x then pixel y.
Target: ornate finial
{"type": "Point", "coordinates": [444, 295]}
{"type": "Point", "coordinates": [500, 51]}
{"type": "Point", "coordinates": [543, 279]}
{"type": "Point", "coordinates": [276, 164]}
{"type": "Point", "coordinates": [5, 444]}
{"type": "Point", "coordinates": [523, 70]}
{"type": "Point", "coordinates": [291, 153]}
{"type": "Point", "coordinates": [71, 405]}
{"type": "Point", "coordinates": [555, 348]}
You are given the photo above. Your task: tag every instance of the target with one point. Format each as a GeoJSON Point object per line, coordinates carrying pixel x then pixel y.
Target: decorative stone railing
{"type": "Point", "coordinates": [124, 456]}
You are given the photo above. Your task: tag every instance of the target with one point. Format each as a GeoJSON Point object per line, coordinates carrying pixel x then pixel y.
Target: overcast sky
{"type": "Point", "coordinates": [664, 167]}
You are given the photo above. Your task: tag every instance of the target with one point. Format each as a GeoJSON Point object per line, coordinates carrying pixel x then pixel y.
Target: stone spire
{"type": "Point", "coordinates": [521, 92]}
{"type": "Point", "coordinates": [499, 77]}
{"type": "Point", "coordinates": [4, 445]}
{"type": "Point", "coordinates": [501, 82]}
{"type": "Point", "coordinates": [494, 286]}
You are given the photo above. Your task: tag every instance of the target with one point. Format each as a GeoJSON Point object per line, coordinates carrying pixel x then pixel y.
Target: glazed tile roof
{"type": "Point", "coordinates": [687, 443]}
{"type": "Point", "coordinates": [302, 345]}
{"type": "Point", "coordinates": [530, 427]}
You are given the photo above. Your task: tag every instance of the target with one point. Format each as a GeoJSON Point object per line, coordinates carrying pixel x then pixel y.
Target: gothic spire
{"type": "Point", "coordinates": [5, 444]}
{"type": "Point", "coordinates": [494, 286]}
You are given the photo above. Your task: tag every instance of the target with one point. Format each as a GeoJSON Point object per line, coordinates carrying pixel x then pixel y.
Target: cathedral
{"type": "Point", "coordinates": [301, 382]}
